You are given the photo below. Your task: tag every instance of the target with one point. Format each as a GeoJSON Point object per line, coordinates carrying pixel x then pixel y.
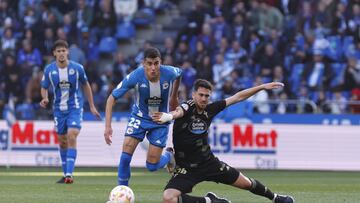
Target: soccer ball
{"type": "Point", "coordinates": [121, 194]}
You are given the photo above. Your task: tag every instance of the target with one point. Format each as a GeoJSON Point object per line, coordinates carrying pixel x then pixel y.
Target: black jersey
{"type": "Point", "coordinates": [190, 133]}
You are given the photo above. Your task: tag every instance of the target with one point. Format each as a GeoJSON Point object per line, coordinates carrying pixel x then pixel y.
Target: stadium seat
{"type": "Point", "coordinates": [348, 44]}
{"type": "Point", "coordinates": [125, 31]}
{"type": "Point", "coordinates": [107, 45]}
{"type": "Point", "coordinates": [144, 17]}
{"type": "Point", "coordinates": [335, 49]}
{"type": "Point", "coordinates": [338, 70]}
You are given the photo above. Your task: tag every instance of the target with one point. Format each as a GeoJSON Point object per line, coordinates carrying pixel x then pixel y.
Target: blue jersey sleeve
{"type": "Point", "coordinates": [45, 81]}
{"type": "Point", "coordinates": [125, 85]}
{"type": "Point", "coordinates": [82, 75]}
{"type": "Point", "coordinates": [174, 72]}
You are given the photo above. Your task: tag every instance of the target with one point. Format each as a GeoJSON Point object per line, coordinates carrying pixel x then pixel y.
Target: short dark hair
{"type": "Point", "coordinates": [60, 43]}
{"type": "Point", "coordinates": [152, 53]}
{"type": "Point", "coordinates": [202, 83]}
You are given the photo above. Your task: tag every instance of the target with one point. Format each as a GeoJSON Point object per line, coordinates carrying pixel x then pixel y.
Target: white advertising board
{"type": "Point", "coordinates": [259, 146]}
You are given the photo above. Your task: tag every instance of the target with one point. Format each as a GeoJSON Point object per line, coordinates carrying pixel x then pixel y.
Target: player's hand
{"type": "Point", "coordinates": [108, 135]}
{"type": "Point", "coordinates": [95, 112]}
{"type": "Point", "coordinates": [273, 85]}
{"type": "Point", "coordinates": [161, 118]}
{"type": "Point", "coordinates": [44, 102]}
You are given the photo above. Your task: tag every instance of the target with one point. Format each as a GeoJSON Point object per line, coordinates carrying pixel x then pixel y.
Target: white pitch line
{"type": "Point", "coordinates": [60, 174]}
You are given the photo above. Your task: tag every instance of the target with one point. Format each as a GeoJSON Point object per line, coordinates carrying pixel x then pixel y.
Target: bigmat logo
{"type": "Point", "coordinates": [28, 138]}
{"type": "Point", "coordinates": [242, 140]}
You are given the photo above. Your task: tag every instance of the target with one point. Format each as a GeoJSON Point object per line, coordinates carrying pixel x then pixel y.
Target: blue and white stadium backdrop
{"type": "Point", "coordinates": [253, 146]}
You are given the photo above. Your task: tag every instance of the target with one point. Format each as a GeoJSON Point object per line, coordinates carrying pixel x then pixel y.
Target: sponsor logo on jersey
{"type": "Point", "coordinates": [198, 126]}
{"type": "Point", "coordinates": [64, 85]}
{"type": "Point", "coordinates": [154, 101]}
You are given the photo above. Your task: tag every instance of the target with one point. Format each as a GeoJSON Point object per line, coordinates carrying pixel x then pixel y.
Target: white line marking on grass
{"type": "Point", "coordinates": [75, 174]}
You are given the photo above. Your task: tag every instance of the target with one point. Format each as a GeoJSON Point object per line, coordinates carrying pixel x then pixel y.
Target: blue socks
{"type": "Point", "coordinates": [70, 161]}
{"type": "Point", "coordinates": [164, 159]}
{"type": "Point", "coordinates": [124, 169]}
{"type": "Point", "coordinates": [63, 153]}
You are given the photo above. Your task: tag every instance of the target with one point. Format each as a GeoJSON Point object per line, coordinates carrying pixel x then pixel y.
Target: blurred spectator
{"type": "Point", "coordinates": [188, 76]}
{"type": "Point", "coordinates": [69, 28]}
{"type": "Point", "coordinates": [125, 9]}
{"type": "Point", "coordinates": [221, 70]}
{"type": "Point", "coordinates": [239, 30]}
{"type": "Point", "coordinates": [269, 61]}
{"type": "Point", "coordinates": [352, 74]}
{"type": "Point", "coordinates": [304, 102]}
{"type": "Point", "coordinates": [204, 70]}
{"type": "Point", "coordinates": [199, 54]}
{"type": "Point", "coordinates": [13, 85]}
{"type": "Point", "coordinates": [169, 47]}
{"type": "Point", "coordinates": [259, 100]}
{"type": "Point", "coordinates": [32, 92]}
{"type": "Point", "coordinates": [8, 41]}
{"type": "Point", "coordinates": [322, 103]}
{"type": "Point", "coordinates": [47, 45]}
{"type": "Point", "coordinates": [65, 6]}
{"type": "Point", "coordinates": [27, 58]}
{"type": "Point", "coordinates": [338, 103]}
{"type": "Point", "coordinates": [76, 54]}
{"type": "Point", "coordinates": [182, 54]}
{"type": "Point", "coordinates": [270, 18]}
{"type": "Point", "coordinates": [104, 20]}
{"type": "Point", "coordinates": [355, 97]}
{"type": "Point", "coordinates": [83, 15]}
{"type": "Point", "coordinates": [317, 73]}
{"type": "Point", "coordinates": [25, 4]}
{"type": "Point", "coordinates": [120, 68]}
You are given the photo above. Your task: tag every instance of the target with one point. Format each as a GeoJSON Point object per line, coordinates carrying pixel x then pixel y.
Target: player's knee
{"type": "Point", "coordinates": [169, 197]}
{"type": "Point", "coordinates": [151, 167]}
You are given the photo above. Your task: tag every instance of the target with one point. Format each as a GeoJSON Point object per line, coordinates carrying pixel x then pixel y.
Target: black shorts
{"type": "Point", "coordinates": [185, 178]}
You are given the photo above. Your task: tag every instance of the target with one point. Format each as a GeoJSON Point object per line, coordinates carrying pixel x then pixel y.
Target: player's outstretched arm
{"type": "Point", "coordinates": [244, 94]}
{"type": "Point", "coordinates": [174, 100]}
{"type": "Point", "coordinates": [108, 115]}
{"type": "Point", "coordinates": [89, 96]}
{"type": "Point", "coordinates": [162, 117]}
{"type": "Point", "coordinates": [45, 99]}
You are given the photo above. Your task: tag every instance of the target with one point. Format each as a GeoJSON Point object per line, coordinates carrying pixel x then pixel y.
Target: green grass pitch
{"type": "Point", "coordinates": [93, 185]}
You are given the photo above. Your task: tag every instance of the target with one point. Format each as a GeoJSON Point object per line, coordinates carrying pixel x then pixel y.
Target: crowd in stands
{"type": "Point", "coordinates": [312, 46]}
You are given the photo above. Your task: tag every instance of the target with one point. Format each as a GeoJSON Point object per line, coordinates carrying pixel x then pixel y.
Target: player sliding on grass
{"type": "Point", "coordinates": [195, 162]}
{"type": "Point", "coordinates": [65, 77]}
{"type": "Point", "coordinates": [155, 86]}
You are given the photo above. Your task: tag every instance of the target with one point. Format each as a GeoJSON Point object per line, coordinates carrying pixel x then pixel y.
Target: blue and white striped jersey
{"type": "Point", "coordinates": [149, 97]}
{"type": "Point", "coordinates": [65, 84]}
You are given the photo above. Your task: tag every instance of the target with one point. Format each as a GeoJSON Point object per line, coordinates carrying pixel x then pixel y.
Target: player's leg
{"type": "Point", "coordinates": [124, 170]}
{"type": "Point", "coordinates": [256, 187]}
{"type": "Point", "coordinates": [155, 159]}
{"type": "Point", "coordinates": [61, 129]}
{"type": "Point", "coordinates": [179, 185]}
{"type": "Point", "coordinates": [73, 123]}
{"type": "Point", "coordinates": [133, 135]}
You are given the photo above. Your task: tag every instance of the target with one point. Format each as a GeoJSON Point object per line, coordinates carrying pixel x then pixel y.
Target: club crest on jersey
{"type": "Point", "coordinates": [185, 106]}
{"type": "Point", "coordinates": [165, 85]}
{"type": "Point", "coordinates": [130, 130]}
{"type": "Point", "coordinates": [71, 72]}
